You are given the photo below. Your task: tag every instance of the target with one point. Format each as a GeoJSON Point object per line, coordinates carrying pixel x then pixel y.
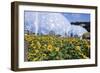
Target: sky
{"type": "Point", "coordinates": [77, 17]}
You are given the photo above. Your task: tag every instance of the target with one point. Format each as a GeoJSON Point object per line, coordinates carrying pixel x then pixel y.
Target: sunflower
{"type": "Point", "coordinates": [78, 48]}
{"type": "Point", "coordinates": [57, 48]}
{"type": "Point", "coordinates": [49, 47]}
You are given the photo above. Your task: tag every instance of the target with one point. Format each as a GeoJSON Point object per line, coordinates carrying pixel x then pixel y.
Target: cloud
{"type": "Point", "coordinates": [76, 15]}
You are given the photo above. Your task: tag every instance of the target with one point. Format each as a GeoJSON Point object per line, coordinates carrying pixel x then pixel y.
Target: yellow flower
{"type": "Point", "coordinates": [28, 38]}
{"type": "Point", "coordinates": [85, 57]}
{"type": "Point", "coordinates": [49, 47]}
{"type": "Point", "coordinates": [57, 48]}
{"type": "Point", "coordinates": [34, 47]}
{"type": "Point", "coordinates": [38, 44]}
{"type": "Point", "coordinates": [77, 47]}
{"type": "Point", "coordinates": [36, 51]}
{"type": "Point", "coordinates": [45, 45]}
{"type": "Point", "coordinates": [32, 44]}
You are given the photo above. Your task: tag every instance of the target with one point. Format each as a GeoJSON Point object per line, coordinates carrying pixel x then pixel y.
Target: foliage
{"type": "Point", "coordinates": [48, 47]}
{"type": "Point", "coordinates": [86, 35]}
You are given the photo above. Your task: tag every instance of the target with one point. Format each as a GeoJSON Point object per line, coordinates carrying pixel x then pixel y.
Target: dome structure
{"type": "Point", "coordinates": [77, 31]}
{"type": "Point", "coordinates": [46, 22]}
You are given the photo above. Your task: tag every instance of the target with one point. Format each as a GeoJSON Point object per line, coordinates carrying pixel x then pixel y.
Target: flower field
{"type": "Point", "coordinates": [49, 47]}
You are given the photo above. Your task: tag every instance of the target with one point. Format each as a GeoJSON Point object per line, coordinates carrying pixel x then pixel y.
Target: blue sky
{"type": "Point", "coordinates": [73, 17]}
{"type": "Point", "coordinates": [80, 17]}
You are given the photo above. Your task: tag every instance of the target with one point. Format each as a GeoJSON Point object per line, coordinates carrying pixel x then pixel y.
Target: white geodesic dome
{"type": "Point", "coordinates": [44, 22]}
{"type": "Point", "coordinates": [77, 30]}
